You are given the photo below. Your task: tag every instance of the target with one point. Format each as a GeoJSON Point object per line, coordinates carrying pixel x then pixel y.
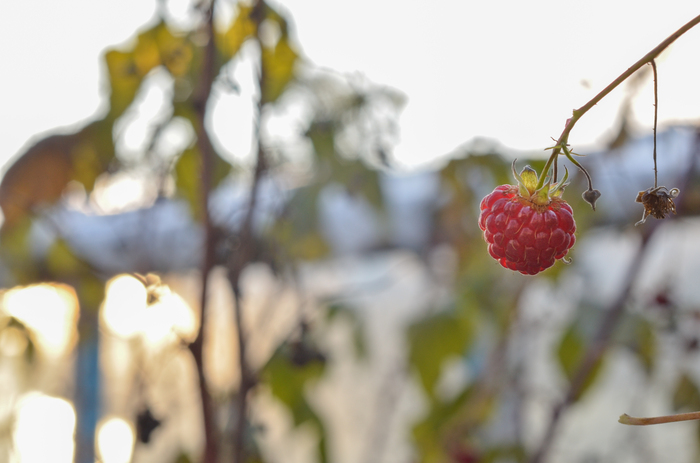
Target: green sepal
{"type": "Point", "coordinates": [527, 180]}
{"type": "Point", "coordinates": [541, 195]}
{"type": "Point", "coordinates": [529, 177]}
{"type": "Point", "coordinates": [558, 188]}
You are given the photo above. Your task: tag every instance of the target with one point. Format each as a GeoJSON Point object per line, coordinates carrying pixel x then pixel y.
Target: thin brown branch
{"type": "Point", "coordinates": [597, 349]}
{"type": "Point", "coordinates": [633, 421]}
{"type": "Point", "coordinates": [578, 113]}
{"type": "Point", "coordinates": [607, 328]}
{"type": "Point", "coordinates": [656, 117]}
{"type": "Point", "coordinates": [200, 98]}
{"type": "Point", "coordinates": [246, 254]}
{"type": "Point", "coordinates": [631, 70]}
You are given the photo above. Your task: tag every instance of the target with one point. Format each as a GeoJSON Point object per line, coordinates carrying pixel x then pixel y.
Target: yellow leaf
{"type": "Point", "coordinates": [278, 69]}
{"type": "Point", "coordinates": [124, 79]}
{"type": "Point", "coordinates": [188, 171]}
{"type": "Point", "coordinates": [242, 28]}
{"type": "Point", "coordinates": [146, 53]}
{"type": "Point", "coordinates": [176, 51]}
{"type": "Point", "coordinates": [60, 260]}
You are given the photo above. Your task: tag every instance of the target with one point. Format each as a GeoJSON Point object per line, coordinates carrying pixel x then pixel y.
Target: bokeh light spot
{"type": "Point", "coordinates": [44, 430]}
{"type": "Point", "coordinates": [115, 440]}
{"type": "Point", "coordinates": [49, 310]}
{"type": "Point", "coordinates": [125, 301]}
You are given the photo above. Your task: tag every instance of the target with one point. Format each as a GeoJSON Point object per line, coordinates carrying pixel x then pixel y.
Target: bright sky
{"type": "Point", "coordinates": [510, 70]}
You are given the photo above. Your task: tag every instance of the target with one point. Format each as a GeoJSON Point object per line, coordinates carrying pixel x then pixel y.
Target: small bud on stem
{"type": "Point", "coordinates": [591, 196]}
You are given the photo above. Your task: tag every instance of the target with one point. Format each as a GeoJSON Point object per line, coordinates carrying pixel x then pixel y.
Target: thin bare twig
{"type": "Point", "coordinates": [633, 421]}
{"type": "Point", "coordinates": [578, 113]}
{"type": "Point", "coordinates": [211, 448]}
{"type": "Point", "coordinates": [607, 328]}
{"type": "Point", "coordinates": [656, 116]}
{"type": "Point", "coordinates": [596, 351]}
{"type": "Point", "coordinates": [246, 254]}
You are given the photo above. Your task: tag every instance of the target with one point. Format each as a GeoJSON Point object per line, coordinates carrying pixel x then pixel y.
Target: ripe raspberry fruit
{"type": "Point", "coordinates": [527, 228]}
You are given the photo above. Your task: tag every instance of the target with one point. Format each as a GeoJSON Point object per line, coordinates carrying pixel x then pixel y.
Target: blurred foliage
{"type": "Point", "coordinates": [571, 353]}
{"type": "Point", "coordinates": [686, 396]}
{"type": "Point", "coordinates": [289, 374]}
{"type": "Point", "coordinates": [436, 339]}
{"type": "Point", "coordinates": [346, 315]}
{"type": "Point", "coordinates": [638, 334]}
{"type": "Point", "coordinates": [188, 185]}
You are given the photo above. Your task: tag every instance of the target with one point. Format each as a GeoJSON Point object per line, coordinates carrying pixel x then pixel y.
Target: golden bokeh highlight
{"type": "Point", "coordinates": [44, 429]}
{"type": "Point", "coordinates": [127, 313]}
{"type": "Point", "coordinates": [168, 318]}
{"type": "Point", "coordinates": [115, 440]}
{"type": "Point", "coordinates": [50, 310]}
{"type": "Point", "coordinates": [125, 301]}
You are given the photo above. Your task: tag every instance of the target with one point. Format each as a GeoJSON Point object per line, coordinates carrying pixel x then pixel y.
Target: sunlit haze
{"type": "Point", "coordinates": [50, 311]}
{"type": "Point", "coordinates": [115, 440]}
{"type": "Point", "coordinates": [125, 302]}
{"type": "Point", "coordinates": [44, 429]}
{"type": "Point", "coordinates": [126, 313]}
{"type": "Point", "coordinates": [509, 71]}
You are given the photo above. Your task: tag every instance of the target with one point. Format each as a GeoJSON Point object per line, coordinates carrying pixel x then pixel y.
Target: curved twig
{"type": "Point", "coordinates": [648, 58]}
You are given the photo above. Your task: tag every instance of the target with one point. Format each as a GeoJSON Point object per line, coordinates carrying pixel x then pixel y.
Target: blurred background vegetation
{"type": "Point", "coordinates": [318, 304]}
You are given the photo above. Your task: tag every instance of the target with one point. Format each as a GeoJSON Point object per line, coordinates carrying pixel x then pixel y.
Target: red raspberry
{"type": "Point", "coordinates": [527, 229]}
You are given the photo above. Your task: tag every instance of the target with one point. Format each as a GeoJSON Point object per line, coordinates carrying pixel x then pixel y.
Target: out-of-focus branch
{"type": "Point", "coordinates": [563, 139]}
{"type": "Point", "coordinates": [607, 328]}
{"type": "Point", "coordinates": [201, 96]}
{"type": "Point", "coordinates": [244, 255]}
{"type": "Point", "coordinates": [634, 421]}
{"type": "Point", "coordinates": [597, 349]}
{"type": "Point", "coordinates": [649, 57]}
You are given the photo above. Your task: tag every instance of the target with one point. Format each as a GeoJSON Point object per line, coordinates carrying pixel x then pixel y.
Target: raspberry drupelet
{"type": "Point", "coordinates": [527, 229]}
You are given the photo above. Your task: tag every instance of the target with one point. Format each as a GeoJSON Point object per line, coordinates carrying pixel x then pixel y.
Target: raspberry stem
{"type": "Point", "coordinates": [633, 421]}
{"type": "Point", "coordinates": [561, 144]}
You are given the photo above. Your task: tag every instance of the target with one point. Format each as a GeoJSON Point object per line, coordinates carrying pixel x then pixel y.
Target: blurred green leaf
{"type": "Point", "coordinates": [356, 323]}
{"type": "Point", "coordinates": [183, 458]}
{"type": "Point", "coordinates": [467, 411]}
{"type": "Point", "coordinates": [288, 379]}
{"type": "Point", "coordinates": [124, 80]}
{"type": "Point", "coordinates": [427, 434]}
{"type": "Point", "coordinates": [127, 68]}
{"type": "Point", "coordinates": [176, 51]}
{"type": "Point", "coordinates": [434, 340]}
{"type": "Point", "coordinates": [353, 174]}
{"type": "Point", "coordinates": [16, 252]}
{"type": "Point", "coordinates": [686, 395]}
{"type": "Point", "coordinates": [90, 290]}
{"type": "Point", "coordinates": [287, 373]}
{"type": "Point", "coordinates": [637, 334]}
{"type": "Point", "coordinates": [60, 259]}
{"type": "Point", "coordinates": [504, 453]}
{"type": "Point", "coordinates": [242, 28]}
{"type": "Point", "coordinates": [278, 68]}
{"type": "Point", "coordinates": [188, 171]}
{"type": "Point", "coordinates": [92, 152]}
{"type": "Point", "coordinates": [571, 352]}
{"type": "Point", "coordinates": [297, 231]}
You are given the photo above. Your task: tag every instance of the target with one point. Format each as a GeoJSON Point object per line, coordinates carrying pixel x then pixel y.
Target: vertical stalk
{"type": "Point", "coordinates": [211, 448]}
{"type": "Point", "coordinates": [656, 116]}
{"type": "Point", "coordinates": [246, 254]}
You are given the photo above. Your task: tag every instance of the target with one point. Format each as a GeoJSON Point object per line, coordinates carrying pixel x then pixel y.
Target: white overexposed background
{"type": "Point", "coordinates": [510, 71]}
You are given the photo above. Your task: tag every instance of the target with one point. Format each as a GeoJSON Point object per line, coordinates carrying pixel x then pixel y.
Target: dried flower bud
{"type": "Point", "coordinates": [591, 196]}
{"type": "Point", "coordinates": [657, 202]}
